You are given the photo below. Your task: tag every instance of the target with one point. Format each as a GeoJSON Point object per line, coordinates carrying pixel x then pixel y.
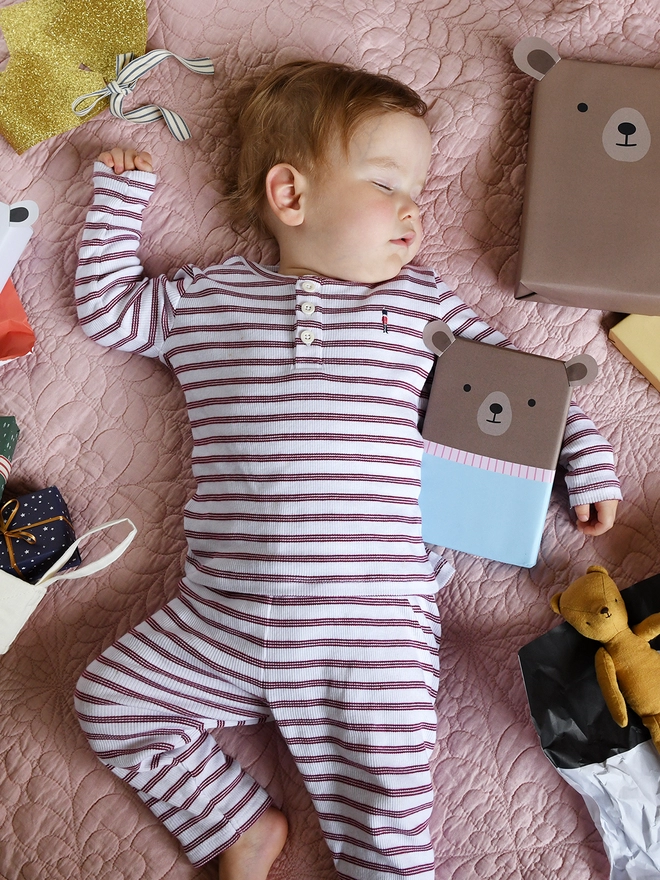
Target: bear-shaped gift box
{"type": "Point", "coordinates": [590, 222]}
{"type": "Point", "coordinates": [492, 435]}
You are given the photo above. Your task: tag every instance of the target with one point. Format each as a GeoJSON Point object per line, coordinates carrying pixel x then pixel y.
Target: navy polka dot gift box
{"type": "Point", "coordinates": [36, 530]}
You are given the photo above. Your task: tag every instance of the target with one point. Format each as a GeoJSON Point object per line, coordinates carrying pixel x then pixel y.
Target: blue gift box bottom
{"type": "Point", "coordinates": [44, 516]}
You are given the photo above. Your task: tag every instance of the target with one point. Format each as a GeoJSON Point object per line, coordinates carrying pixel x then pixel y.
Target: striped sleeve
{"type": "Point", "coordinates": [588, 460]}
{"type": "Point", "coordinates": [586, 456]}
{"type": "Point", "coordinates": [117, 305]}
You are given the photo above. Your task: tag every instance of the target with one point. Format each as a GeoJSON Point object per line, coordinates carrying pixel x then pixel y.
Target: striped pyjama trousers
{"type": "Point", "coordinates": [350, 682]}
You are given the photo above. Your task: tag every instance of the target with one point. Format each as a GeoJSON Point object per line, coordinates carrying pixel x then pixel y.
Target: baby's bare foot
{"type": "Point", "coordinates": [255, 851]}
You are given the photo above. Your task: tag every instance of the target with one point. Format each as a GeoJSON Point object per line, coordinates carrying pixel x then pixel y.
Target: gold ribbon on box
{"type": "Point", "coordinates": [61, 51]}
{"type": "Point", "coordinates": [8, 512]}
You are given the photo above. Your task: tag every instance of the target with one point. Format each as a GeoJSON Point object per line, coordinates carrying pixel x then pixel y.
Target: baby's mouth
{"type": "Point", "coordinates": [405, 240]}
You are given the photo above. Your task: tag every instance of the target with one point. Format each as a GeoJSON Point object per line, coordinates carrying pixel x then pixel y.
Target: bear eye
{"type": "Point", "coordinates": [587, 622]}
{"type": "Point", "coordinates": [582, 107]}
{"type": "Point", "coordinates": [531, 402]}
{"type": "Point", "coordinates": [467, 387]}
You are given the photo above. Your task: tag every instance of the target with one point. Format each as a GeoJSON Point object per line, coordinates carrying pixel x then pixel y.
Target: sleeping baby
{"type": "Point", "coordinates": [308, 592]}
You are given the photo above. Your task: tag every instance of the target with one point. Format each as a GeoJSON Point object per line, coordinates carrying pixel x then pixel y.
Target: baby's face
{"type": "Point", "coordinates": [362, 214]}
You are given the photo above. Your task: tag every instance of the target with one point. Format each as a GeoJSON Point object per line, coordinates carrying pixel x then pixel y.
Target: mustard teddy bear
{"type": "Point", "coordinates": [627, 668]}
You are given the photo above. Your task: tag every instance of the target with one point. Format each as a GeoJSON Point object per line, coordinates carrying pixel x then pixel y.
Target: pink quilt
{"type": "Point", "coordinates": [109, 429]}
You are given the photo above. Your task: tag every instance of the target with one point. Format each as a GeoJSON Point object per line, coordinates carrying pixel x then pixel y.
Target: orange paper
{"type": "Point", "coordinates": [16, 335]}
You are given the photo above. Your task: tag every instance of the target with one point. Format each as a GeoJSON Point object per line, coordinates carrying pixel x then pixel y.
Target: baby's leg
{"type": "Point", "coordinates": [353, 690]}
{"type": "Point", "coordinates": [149, 702]}
{"type": "Point", "coordinates": [251, 857]}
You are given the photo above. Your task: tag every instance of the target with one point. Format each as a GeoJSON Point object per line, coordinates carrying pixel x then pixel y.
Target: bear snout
{"type": "Point", "coordinates": [626, 137]}
{"type": "Point", "coordinates": [495, 414]}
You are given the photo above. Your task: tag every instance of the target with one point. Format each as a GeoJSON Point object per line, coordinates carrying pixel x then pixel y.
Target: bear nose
{"type": "Point", "coordinates": [495, 408]}
{"type": "Point", "coordinates": [627, 128]}
{"type": "Point", "coordinates": [605, 611]}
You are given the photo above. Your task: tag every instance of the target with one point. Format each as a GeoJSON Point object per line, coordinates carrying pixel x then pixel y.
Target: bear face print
{"type": "Point", "coordinates": [497, 402]}
{"type": "Point", "coordinates": [625, 136]}
{"type": "Point", "coordinates": [590, 217]}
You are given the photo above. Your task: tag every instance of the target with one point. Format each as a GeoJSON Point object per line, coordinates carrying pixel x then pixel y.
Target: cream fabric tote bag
{"type": "Point", "coordinates": [18, 598]}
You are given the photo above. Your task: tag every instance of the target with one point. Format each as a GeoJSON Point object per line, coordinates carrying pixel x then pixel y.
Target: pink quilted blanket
{"type": "Point", "coordinates": [109, 429]}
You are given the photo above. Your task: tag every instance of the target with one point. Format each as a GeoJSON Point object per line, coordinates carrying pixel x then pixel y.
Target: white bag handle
{"type": "Point", "coordinates": [18, 598]}
{"type": "Point", "coordinates": [92, 567]}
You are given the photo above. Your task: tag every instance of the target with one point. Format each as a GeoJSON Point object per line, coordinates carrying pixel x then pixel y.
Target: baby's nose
{"type": "Point", "coordinates": [408, 209]}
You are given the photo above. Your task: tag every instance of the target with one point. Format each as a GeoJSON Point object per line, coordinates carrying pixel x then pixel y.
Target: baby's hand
{"type": "Point", "coordinates": [596, 519]}
{"type": "Point", "coordinates": [126, 160]}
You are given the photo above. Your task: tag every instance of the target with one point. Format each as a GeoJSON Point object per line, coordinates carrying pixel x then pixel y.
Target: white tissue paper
{"type": "Point", "coordinates": [622, 795]}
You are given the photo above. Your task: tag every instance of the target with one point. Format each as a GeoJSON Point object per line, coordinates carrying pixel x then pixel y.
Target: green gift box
{"type": "Point", "coordinates": [8, 439]}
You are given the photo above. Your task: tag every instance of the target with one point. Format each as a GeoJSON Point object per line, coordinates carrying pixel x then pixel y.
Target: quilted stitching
{"type": "Point", "coordinates": [111, 432]}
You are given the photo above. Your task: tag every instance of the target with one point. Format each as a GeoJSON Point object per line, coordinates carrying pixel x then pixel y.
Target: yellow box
{"type": "Point", "coordinates": [638, 339]}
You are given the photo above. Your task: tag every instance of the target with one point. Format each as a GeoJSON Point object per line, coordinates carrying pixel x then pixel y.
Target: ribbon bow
{"type": "Point", "coordinates": [19, 534]}
{"type": "Point", "coordinates": [129, 71]}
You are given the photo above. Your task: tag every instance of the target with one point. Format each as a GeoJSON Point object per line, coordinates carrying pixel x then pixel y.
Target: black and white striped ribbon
{"type": "Point", "coordinates": [129, 71]}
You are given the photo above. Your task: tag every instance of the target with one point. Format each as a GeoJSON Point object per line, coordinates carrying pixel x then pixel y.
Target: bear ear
{"type": "Point", "coordinates": [23, 213]}
{"type": "Point", "coordinates": [438, 337]}
{"type": "Point", "coordinates": [554, 603]}
{"type": "Point", "coordinates": [598, 568]}
{"type": "Point", "coordinates": [581, 369]}
{"type": "Point", "coordinates": [535, 56]}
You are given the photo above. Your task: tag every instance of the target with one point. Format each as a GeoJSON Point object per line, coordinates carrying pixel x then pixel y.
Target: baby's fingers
{"type": "Point", "coordinates": [143, 162]}
{"type": "Point", "coordinates": [121, 160]}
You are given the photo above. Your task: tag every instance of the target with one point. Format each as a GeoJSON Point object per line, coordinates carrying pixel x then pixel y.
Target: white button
{"type": "Point", "coordinates": [307, 337]}
{"type": "Point", "coordinates": [308, 308]}
{"type": "Point", "coordinates": [309, 286]}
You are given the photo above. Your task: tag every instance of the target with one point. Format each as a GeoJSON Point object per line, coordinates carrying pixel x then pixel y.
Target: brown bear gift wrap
{"type": "Point", "coordinates": [627, 668]}
{"type": "Point", "coordinates": [492, 435]}
{"type": "Point", "coordinates": [590, 221]}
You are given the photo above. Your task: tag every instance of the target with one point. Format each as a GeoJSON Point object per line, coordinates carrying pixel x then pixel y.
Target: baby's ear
{"type": "Point", "coordinates": [285, 187]}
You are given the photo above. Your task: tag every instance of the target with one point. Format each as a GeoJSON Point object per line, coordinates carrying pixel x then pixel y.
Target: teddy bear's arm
{"type": "Point", "coordinates": [649, 628]}
{"type": "Point", "coordinates": [606, 675]}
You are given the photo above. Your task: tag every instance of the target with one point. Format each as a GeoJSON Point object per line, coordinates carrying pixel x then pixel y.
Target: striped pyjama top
{"type": "Point", "coordinates": [307, 596]}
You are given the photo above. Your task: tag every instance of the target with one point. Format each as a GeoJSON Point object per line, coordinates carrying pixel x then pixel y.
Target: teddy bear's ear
{"type": "Point", "coordinates": [554, 603]}
{"type": "Point", "coordinates": [581, 369]}
{"type": "Point", "coordinates": [535, 56]}
{"type": "Point", "coordinates": [438, 337]}
{"type": "Point", "coordinates": [598, 568]}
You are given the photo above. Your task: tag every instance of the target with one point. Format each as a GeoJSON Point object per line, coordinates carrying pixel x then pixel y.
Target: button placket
{"type": "Point", "coordinates": [308, 325]}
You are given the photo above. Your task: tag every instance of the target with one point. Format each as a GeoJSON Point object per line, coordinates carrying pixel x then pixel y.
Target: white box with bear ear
{"type": "Point", "coordinates": [492, 435]}
{"type": "Point", "coordinates": [15, 231]}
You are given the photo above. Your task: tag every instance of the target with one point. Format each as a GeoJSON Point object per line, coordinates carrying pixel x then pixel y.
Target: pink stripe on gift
{"type": "Point", "coordinates": [484, 463]}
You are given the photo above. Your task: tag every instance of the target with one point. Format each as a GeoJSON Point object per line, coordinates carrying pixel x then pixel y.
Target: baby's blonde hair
{"type": "Point", "coordinates": [294, 115]}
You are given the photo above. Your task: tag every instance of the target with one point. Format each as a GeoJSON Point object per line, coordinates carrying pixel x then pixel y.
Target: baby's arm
{"type": "Point", "coordinates": [593, 486]}
{"type": "Point", "coordinates": [118, 306]}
